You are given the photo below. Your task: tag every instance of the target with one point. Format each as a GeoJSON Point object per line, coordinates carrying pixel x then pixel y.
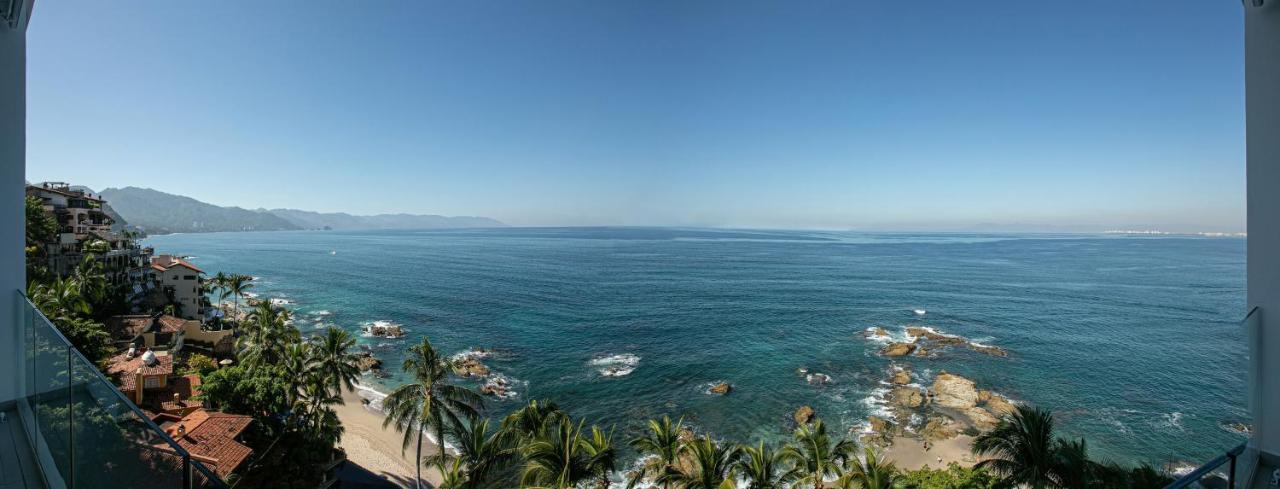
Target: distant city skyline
{"type": "Point", "coordinates": [1081, 116]}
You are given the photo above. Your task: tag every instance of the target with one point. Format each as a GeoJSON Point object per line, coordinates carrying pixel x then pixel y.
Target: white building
{"type": "Point", "coordinates": [179, 280]}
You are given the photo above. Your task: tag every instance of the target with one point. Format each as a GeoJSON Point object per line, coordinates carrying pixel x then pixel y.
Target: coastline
{"type": "Point", "coordinates": [908, 453]}
{"type": "Point", "coordinates": [377, 450]}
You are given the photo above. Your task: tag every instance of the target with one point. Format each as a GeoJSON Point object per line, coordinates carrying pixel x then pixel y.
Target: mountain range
{"type": "Point", "coordinates": [157, 212]}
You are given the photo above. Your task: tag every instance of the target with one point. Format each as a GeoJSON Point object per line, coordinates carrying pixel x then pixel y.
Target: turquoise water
{"type": "Point", "coordinates": [1134, 341]}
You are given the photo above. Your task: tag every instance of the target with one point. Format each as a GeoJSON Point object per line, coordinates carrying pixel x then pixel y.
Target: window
{"type": "Point", "coordinates": [189, 277]}
{"type": "Point", "coordinates": [151, 382]}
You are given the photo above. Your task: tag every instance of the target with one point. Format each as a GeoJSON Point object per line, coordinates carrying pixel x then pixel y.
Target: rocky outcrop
{"type": "Point", "coordinates": [999, 406]}
{"type": "Point", "coordinates": [994, 351]}
{"type": "Point", "coordinates": [804, 415]}
{"type": "Point", "coordinates": [898, 349]}
{"type": "Point", "coordinates": [939, 427]}
{"type": "Point", "coordinates": [954, 391]}
{"type": "Point", "coordinates": [384, 330]}
{"type": "Point", "coordinates": [470, 367]}
{"type": "Point", "coordinates": [877, 332]}
{"type": "Point", "coordinates": [900, 377]}
{"type": "Point", "coordinates": [817, 379]}
{"type": "Point", "coordinates": [981, 418]}
{"type": "Point", "coordinates": [367, 361]}
{"type": "Point", "coordinates": [935, 337]}
{"type": "Point", "coordinates": [497, 387]}
{"type": "Point", "coordinates": [721, 388]}
{"type": "Point", "coordinates": [907, 397]}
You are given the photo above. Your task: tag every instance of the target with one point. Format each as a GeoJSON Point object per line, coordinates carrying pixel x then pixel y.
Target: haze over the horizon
{"type": "Point", "coordinates": [892, 115]}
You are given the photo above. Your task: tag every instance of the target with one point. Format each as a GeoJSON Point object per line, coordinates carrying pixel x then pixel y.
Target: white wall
{"type": "Point", "coordinates": [13, 136]}
{"type": "Point", "coordinates": [1262, 101]}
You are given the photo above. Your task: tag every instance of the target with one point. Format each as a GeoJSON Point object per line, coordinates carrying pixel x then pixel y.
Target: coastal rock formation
{"type": "Point", "coordinates": [939, 427]}
{"type": "Point", "coordinates": [981, 418]}
{"type": "Point", "coordinates": [497, 387]}
{"type": "Point", "coordinates": [817, 379]}
{"type": "Point", "coordinates": [804, 415]}
{"type": "Point", "coordinates": [900, 377]}
{"type": "Point", "coordinates": [907, 397]}
{"type": "Point", "coordinates": [879, 432]}
{"type": "Point", "coordinates": [367, 361]}
{"type": "Point", "coordinates": [999, 406]}
{"type": "Point", "coordinates": [470, 367]}
{"type": "Point", "coordinates": [877, 332]}
{"type": "Point", "coordinates": [898, 349]}
{"type": "Point", "coordinates": [994, 351]}
{"type": "Point", "coordinates": [721, 388]}
{"type": "Point", "coordinates": [954, 391]}
{"type": "Point", "coordinates": [935, 337]}
{"type": "Point", "coordinates": [384, 330]}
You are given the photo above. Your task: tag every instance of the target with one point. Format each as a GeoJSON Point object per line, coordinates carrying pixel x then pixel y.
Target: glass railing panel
{"type": "Point", "coordinates": [50, 401]}
{"type": "Point", "coordinates": [85, 432]}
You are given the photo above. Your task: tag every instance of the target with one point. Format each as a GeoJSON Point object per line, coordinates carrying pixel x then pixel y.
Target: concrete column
{"type": "Point", "coordinates": [1262, 118]}
{"type": "Point", "coordinates": [13, 154]}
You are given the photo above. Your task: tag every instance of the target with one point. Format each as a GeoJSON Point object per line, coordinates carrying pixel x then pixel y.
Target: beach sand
{"type": "Point", "coordinates": [377, 450]}
{"type": "Point", "coordinates": [909, 453]}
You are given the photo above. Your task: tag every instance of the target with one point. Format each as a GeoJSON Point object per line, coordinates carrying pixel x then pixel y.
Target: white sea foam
{"type": "Point", "coordinates": [817, 379]}
{"type": "Point", "coordinates": [919, 312]}
{"type": "Point", "coordinates": [322, 312]}
{"type": "Point", "coordinates": [1171, 420]}
{"type": "Point", "coordinates": [469, 354]}
{"type": "Point", "coordinates": [366, 328]}
{"type": "Point", "coordinates": [616, 365]}
{"type": "Point", "coordinates": [877, 402]}
{"type": "Point", "coordinates": [508, 385]}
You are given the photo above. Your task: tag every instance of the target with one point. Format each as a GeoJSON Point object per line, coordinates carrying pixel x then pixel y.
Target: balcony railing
{"type": "Point", "coordinates": [84, 433]}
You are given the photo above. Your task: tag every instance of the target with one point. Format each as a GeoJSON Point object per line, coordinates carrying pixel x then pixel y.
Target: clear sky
{"type": "Point", "coordinates": [1073, 115]}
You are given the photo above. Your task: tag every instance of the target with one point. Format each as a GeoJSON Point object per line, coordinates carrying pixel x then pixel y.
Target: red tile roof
{"type": "Point", "coordinates": [187, 387]}
{"type": "Point", "coordinates": [172, 324]}
{"type": "Point", "coordinates": [128, 327]}
{"type": "Point", "coordinates": [173, 261]}
{"type": "Point", "coordinates": [211, 437]}
{"type": "Point", "coordinates": [124, 369]}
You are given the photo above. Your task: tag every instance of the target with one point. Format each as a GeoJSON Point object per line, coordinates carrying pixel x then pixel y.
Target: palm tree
{"type": "Point", "coordinates": [1021, 448]}
{"type": "Point", "coordinates": [872, 472]}
{"type": "Point", "coordinates": [480, 450]}
{"type": "Point", "coordinates": [1072, 468]}
{"type": "Point", "coordinates": [710, 466]}
{"type": "Point", "coordinates": [815, 456]}
{"type": "Point", "coordinates": [762, 467]}
{"type": "Point", "coordinates": [333, 359]}
{"type": "Point", "coordinates": [266, 334]}
{"type": "Point", "coordinates": [555, 460]}
{"type": "Point", "coordinates": [239, 285]}
{"type": "Point", "coordinates": [533, 419]}
{"type": "Point", "coordinates": [661, 446]}
{"type": "Point", "coordinates": [429, 401]}
{"type": "Point", "coordinates": [295, 366]}
{"type": "Point", "coordinates": [602, 455]}
{"type": "Point", "coordinates": [452, 474]}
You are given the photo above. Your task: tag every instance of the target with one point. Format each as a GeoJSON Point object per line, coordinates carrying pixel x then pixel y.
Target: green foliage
{"type": "Point", "coordinates": [260, 392]}
{"type": "Point", "coordinates": [41, 229]}
{"type": "Point", "coordinates": [952, 477]}
{"type": "Point", "coordinates": [63, 302]}
{"type": "Point", "coordinates": [200, 365]}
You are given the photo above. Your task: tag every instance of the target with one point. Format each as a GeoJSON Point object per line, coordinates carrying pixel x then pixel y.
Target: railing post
{"type": "Point", "coordinates": [186, 472]}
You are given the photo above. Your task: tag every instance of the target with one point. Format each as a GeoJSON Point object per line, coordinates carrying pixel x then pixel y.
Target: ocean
{"type": "Point", "coordinates": [1134, 342]}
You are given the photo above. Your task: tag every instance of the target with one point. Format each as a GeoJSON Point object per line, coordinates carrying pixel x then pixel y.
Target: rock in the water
{"type": "Point", "coordinates": [900, 377]}
{"type": "Point", "coordinates": [981, 418]}
{"type": "Point", "coordinates": [367, 361]}
{"type": "Point", "coordinates": [470, 367]}
{"type": "Point", "coordinates": [878, 332]}
{"type": "Point", "coordinates": [999, 406]}
{"type": "Point", "coordinates": [804, 415]}
{"type": "Point", "coordinates": [994, 351]}
{"type": "Point", "coordinates": [721, 388]}
{"type": "Point", "coordinates": [939, 427]}
{"type": "Point", "coordinates": [954, 391]}
{"type": "Point", "coordinates": [907, 397]}
{"type": "Point", "coordinates": [384, 330]}
{"type": "Point", "coordinates": [898, 349]}
{"type": "Point", "coordinates": [817, 379]}
{"type": "Point", "coordinates": [984, 395]}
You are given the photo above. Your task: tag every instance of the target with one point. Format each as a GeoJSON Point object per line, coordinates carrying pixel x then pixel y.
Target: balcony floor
{"type": "Point", "coordinates": [17, 465]}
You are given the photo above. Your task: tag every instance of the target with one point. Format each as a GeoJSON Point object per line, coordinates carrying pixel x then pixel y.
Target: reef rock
{"type": "Point", "coordinates": [470, 367]}
{"type": "Point", "coordinates": [939, 427]}
{"type": "Point", "coordinates": [898, 349]}
{"type": "Point", "coordinates": [999, 406]}
{"type": "Point", "coordinates": [878, 332]}
{"type": "Point", "coordinates": [935, 337]}
{"type": "Point", "coordinates": [496, 389]}
{"type": "Point", "coordinates": [907, 397]}
{"type": "Point", "coordinates": [981, 418]}
{"type": "Point", "coordinates": [994, 351]}
{"type": "Point", "coordinates": [817, 379]}
{"type": "Point", "coordinates": [954, 391]}
{"type": "Point", "coordinates": [984, 395]}
{"type": "Point", "coordinates": [367, 361]}
{"type": "Point", "coordinates": [900, 377]}
{"type": "Point", "coordinates": [804, 415]}
{"type": "Point", "coordinates": [721, 388]}
{"type": "Point", "coordinates": [384, 330]}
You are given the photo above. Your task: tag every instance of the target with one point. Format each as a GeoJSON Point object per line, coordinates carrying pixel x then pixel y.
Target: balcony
{"type": "Point", "coordinates": [74, 429]}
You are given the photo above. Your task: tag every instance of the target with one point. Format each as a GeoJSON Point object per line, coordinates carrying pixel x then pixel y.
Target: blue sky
{"type": "Point", "coordinates": [871, 115]}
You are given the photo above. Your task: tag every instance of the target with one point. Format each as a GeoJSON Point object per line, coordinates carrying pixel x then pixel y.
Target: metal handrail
{"type": "Point", "coordinates": [210, 477]}
{"type": "Point", "coordinates": [1195, 475]}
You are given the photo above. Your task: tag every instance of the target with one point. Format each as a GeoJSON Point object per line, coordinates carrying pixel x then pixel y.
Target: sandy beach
{"type": "Point", "coordinates": [909, 453]}
{"type": "Point", "coordinates": [377, 450]}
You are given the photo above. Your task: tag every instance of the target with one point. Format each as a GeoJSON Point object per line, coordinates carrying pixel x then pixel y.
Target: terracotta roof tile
{"type": "Point", "coordinates": [124, 369]}
{"type": "Point", "coordinates": [211, 436]}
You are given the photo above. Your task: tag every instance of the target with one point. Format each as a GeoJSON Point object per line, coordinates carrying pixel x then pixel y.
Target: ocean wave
{"type": "Point", "coordinates": [1171, 420]}
{"type": "Point", "coordinates": [474, 353]}
{"type": "Point", "coordinates": [281, 301]}
{"type": "Point", "coordinates": [616, 365]}
{"type": "Point", "coordinates": [367, 328]}
{"type": "Point", "coordinates": [877, 403]}
{"type": "Point", "coordinates": [321, 313]}
{"type": "Point", "coordinates": [502, 386]}
{"type": "Point", "coordinates": [919, 312]}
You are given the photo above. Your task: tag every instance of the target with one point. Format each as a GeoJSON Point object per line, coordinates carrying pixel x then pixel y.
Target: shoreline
{"type": "Point", "coordinates": [377, 450]}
